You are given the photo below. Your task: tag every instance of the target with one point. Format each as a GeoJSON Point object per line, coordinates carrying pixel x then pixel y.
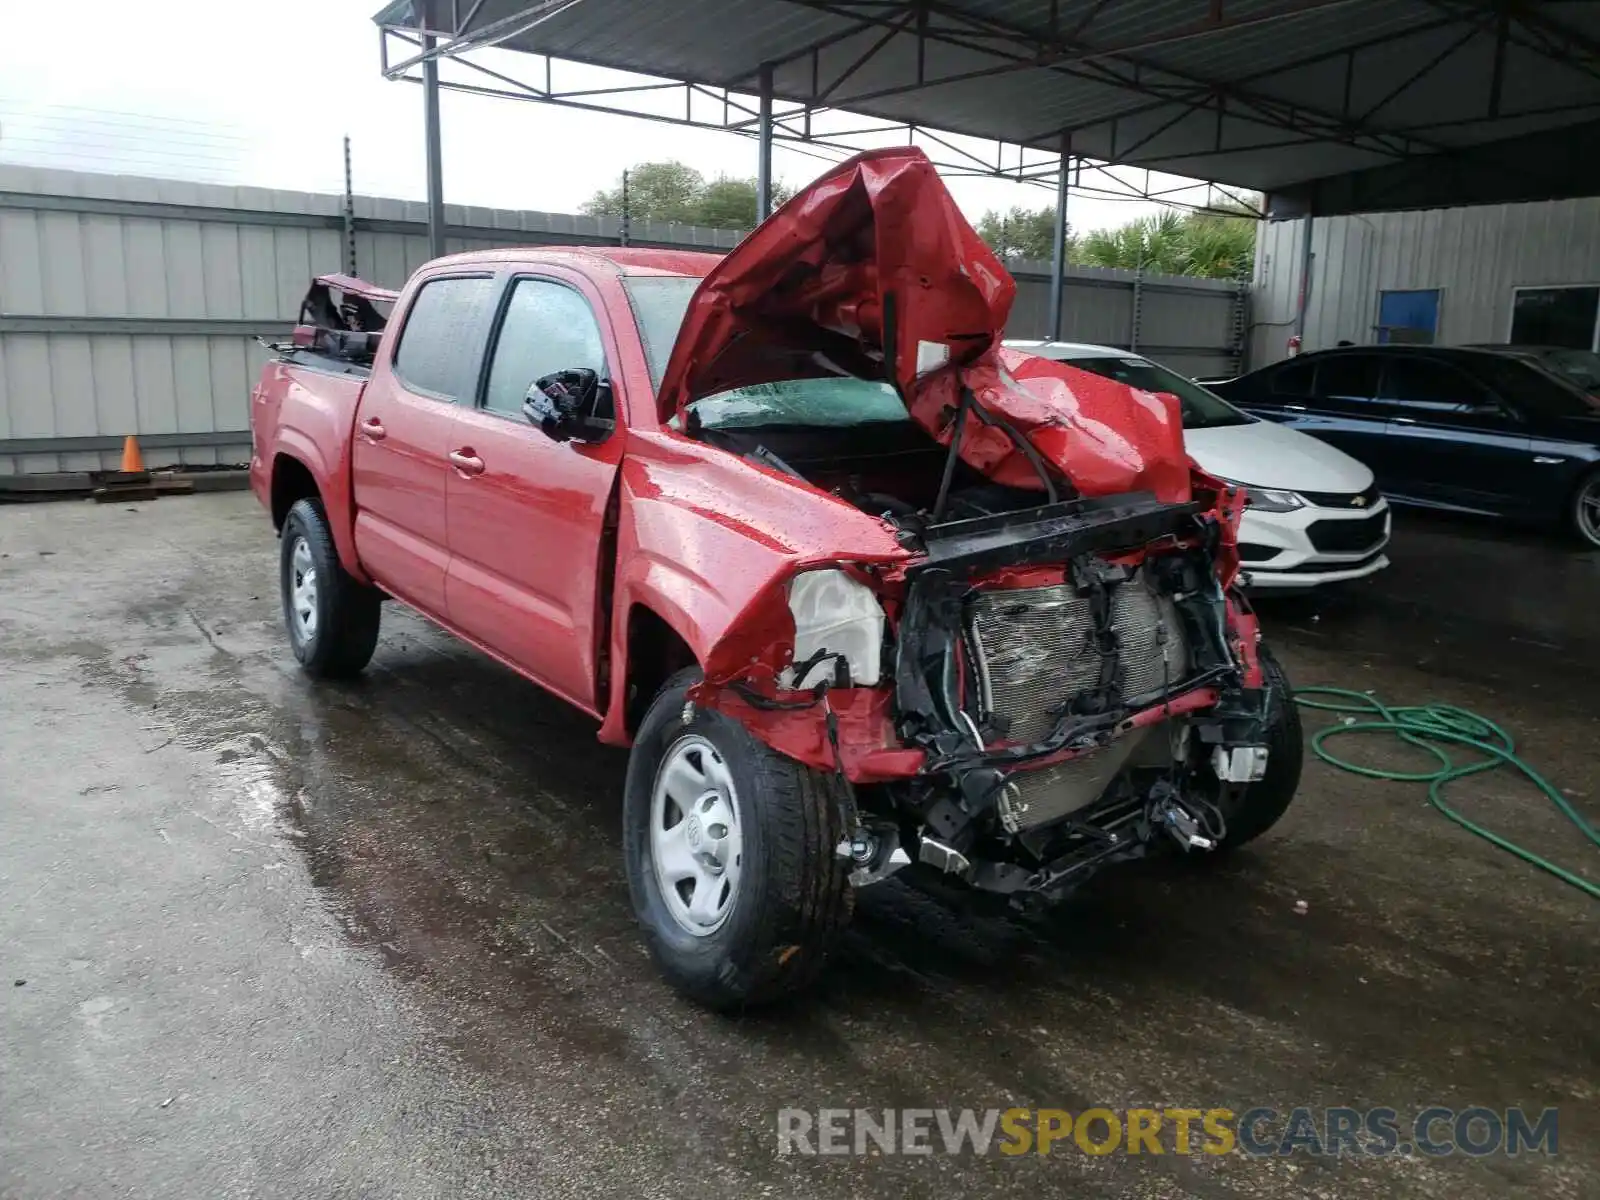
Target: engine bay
{"type": "Point", "coordinates": [888, 469]}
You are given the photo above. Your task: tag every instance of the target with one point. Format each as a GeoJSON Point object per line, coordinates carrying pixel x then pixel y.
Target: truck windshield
{"type": "Point", "coordinates": [659, 302]}
{"type": "Point", "coordinates": [1201, 409]}
{"type": "Point", "coordinates": [837, 402]}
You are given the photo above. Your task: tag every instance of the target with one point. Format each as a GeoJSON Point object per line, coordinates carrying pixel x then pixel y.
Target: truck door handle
{"type": "Point", "coordinates": [465, 461]}
{"type": "Point", "coordinates": [374, 429]}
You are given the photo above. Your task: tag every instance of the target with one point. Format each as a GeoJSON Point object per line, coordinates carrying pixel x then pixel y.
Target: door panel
{"type": "Point", "coordinates": [1456, 445]}
{"type": "Point", "coordinates": [398, 467]}
{"type": "Point", "coordinates": [526, 527]}
{"type": "Point", "coordinates": [1471, 459]}
{"type": "Point", "coordinates": [1341, 409]}
{"type": "Point", "coordinates": [403, 435]}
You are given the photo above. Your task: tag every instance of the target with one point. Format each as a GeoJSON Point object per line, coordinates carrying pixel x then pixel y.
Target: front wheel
{"type": "Point", "coordinates": [332, 618]}
{"type": "Point", "coordinates": [730, 855]}
{"type": "Point", "coordinates": [1257, 807]}
{"type": "Point", "coordinates": [1585, 515]}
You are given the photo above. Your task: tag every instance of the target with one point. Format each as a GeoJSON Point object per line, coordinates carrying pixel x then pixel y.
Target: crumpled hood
{"type": "Point", "coordinates": [872, 271]}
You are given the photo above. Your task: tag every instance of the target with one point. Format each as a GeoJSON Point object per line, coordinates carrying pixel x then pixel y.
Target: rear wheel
{"type": "Point", "coordinates": [332, 619]}
{"type": "Point", "coordinates": [1585, 515]}
{"type": "Point", "coordinates": [1258, 806]}
{"type": "Point", "coordinates": [730, 855]}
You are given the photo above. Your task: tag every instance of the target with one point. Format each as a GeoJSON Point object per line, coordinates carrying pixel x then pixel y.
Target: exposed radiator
{"type": "Point", "coordinates": [1037, 651]}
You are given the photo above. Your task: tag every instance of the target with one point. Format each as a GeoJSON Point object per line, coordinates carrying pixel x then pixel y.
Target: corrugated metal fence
{"type": "Point", "coordinates": [132, 305]}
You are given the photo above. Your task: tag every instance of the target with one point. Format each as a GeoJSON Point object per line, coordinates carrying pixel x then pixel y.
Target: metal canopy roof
{"type": "Point", "coordinates": [1325, 105]}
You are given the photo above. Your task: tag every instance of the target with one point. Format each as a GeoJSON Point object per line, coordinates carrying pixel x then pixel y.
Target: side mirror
{"type": "Point", "coordinates": [562, 406]}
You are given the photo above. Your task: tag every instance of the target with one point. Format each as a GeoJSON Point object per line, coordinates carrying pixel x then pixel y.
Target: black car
{"type": "Point", "coordinates": [1446, 427]}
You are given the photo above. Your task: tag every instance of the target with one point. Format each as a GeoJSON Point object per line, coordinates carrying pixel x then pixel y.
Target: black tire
{"type": "Point", "coordinates": [1583, 512]}
{"type": "Point", "coordinates": [1260, 805]}
{"type": "Point", "coordinates": [793, 899]}
{"type": "Point", "coordinates": [345, 631]}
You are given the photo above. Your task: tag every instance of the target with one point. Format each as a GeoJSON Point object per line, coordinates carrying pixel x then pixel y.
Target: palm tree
{"type": "Point", "coordinates": [1168, 244]}
{"type": "Point", "coordinates": [1219, 247]}
{"type": "Point", "coordinates": [1154, 244]}
{"type": "Point", "coordinates": [1212, 244]}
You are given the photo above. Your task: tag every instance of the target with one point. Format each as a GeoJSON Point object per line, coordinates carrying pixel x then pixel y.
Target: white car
{"type": "Point", "coordinates": [1314, 514]}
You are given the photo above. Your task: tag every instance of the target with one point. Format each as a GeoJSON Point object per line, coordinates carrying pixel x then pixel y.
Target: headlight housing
{"type": "Point", "coordinates": [834, 614]}
{"type": "Point", "coordinates": [1274, 500]}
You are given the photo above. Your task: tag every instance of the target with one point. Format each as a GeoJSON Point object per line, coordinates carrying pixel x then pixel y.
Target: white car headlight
{"type": "Point", "coordinates": [834, 614]}
{"type": "Point", "coordinates": [1269, 499]}
{"type": "Point", "coordinates": [1272, 499]}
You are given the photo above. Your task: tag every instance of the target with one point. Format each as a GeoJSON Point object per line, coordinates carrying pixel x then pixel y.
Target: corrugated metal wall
{"type": "Point", "coordinates": [1475, 256]}
{"type": "Point", "coordinates": [132, 305]}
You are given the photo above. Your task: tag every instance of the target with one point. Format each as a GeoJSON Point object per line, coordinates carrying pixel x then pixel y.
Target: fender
{"type": "Point", "coordinates": [712, 576]}
{"type": "Point", "coordinates": [333, 485]}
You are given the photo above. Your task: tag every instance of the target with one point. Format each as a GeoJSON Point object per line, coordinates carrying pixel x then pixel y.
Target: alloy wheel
{"type": "Point", "coordinates": [1589, 511]}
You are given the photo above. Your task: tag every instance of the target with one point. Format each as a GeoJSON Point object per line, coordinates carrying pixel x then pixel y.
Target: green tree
{"type": "Point", "coordinates": [727, 203]}
{"type": "Point", "coordinates": [1220, 247]}
{"type": "Point", "coordinates": [673, 191]}
{"type": "Point", "coordinates": [657, 191]}
{"type": "Point", "coordinates": [1153, 244]}
{"type": "Point", "coordinates": [1206, 244]}
{"type": "Point", "coordinates": [1022, 232]}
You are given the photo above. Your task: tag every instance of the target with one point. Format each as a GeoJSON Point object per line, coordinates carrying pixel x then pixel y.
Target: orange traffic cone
{"type": "Point", "coordinates": [132, 460]}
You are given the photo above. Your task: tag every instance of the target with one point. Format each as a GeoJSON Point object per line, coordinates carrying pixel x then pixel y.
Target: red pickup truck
{"type": "Point", "coordinates": [863, 590]}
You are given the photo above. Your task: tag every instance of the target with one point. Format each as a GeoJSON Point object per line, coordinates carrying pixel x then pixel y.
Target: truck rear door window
{"type": "Point", "coordinates": [441, 345]}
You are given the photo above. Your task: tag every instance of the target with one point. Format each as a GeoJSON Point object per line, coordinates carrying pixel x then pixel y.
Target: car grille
{"type": "Point", "coordinates": [1348, 537]}
{"type": "Point", "coordinates": [1038, 651]}
{"type": "Point", "coordinates": [1366, 499]}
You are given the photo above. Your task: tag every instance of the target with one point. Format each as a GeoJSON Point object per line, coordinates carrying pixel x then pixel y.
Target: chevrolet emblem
{"type": "Point", "coordinates": [1359, 502]}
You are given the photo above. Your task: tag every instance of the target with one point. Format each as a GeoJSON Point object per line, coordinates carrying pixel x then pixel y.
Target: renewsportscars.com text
{"type": "Point", "coordinates": [1258, 1132]}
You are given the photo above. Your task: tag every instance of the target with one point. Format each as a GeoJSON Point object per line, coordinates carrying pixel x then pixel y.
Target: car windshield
{"type": "Point", "coordinates": [837, 402]}
{"type": "Point", "coordinates": [1201, 409]}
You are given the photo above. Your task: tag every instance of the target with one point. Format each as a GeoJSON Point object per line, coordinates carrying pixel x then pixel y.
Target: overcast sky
{"type": "Point", "coordinates": [230, 92]}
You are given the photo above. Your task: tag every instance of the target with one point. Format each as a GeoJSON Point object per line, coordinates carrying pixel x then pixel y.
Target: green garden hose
{"type": "Point", "coordinates": [1426, 725]}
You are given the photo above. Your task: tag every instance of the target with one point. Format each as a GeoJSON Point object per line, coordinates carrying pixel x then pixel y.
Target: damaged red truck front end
{"type": "Point", "coordinates": [1051, 669]}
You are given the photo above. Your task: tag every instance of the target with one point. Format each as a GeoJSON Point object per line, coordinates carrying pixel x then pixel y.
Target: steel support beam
{"type": "Point", "coordinates": [1306, 260]}
{"type": "Point", "coordinates": [434, 148]}
{"type": "Point", "coordinates": [764, 147]}
{"type": "Point", "coordinates": [1058, 252]}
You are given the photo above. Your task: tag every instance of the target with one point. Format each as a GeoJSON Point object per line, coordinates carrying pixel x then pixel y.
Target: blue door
{"type": "Point", "coordinates": [1408, 318]}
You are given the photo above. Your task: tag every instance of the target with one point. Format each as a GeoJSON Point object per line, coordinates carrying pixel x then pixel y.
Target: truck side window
{"type": "Point", "coordinates": [442, 342]}
{"type": "Point", "coordinates": [547, 327]}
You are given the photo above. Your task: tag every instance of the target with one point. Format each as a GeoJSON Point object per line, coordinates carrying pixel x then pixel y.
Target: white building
{"type": "Point", "coordinates": [1511, 272]}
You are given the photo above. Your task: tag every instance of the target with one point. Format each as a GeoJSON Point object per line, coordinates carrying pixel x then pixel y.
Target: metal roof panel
{"type": "Point", "coordinates": [1265, 94]}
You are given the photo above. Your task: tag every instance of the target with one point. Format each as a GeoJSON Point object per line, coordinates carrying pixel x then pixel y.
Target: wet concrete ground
{"type": "Point", "coordinates": [267, 938]}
